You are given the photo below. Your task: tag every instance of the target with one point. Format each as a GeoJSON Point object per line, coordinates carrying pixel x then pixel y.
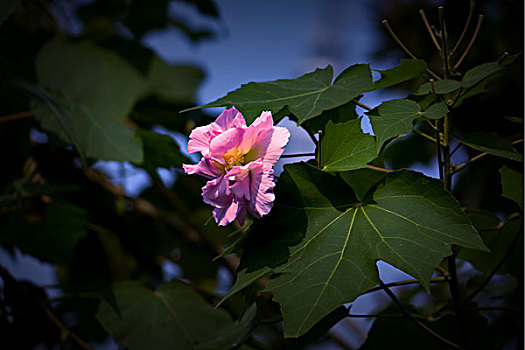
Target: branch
{"type": "Point", "coordinates": [462, 166]}
{"type": "Point", "coordinates": [469, 18]}
{"type": "Point", "coordinates": [495, 269]}
{"type": "Point", "coordinates": [480, 20]}
{"type": "Point", "coordinates": [379, 169]}
{"type": "Point", "coordinates": [394, 36]}
{"type": "Point", "coordinates": [427, 25]}
{"type": "Point", "coordinates": [428, 137]}
{"type": "Point", "coordinates": [413, 319]}
{"type": "Point", "coordinates": [65, 332]}
{"type": "Point", "coordinates": [298, 155]}
{"type": "Point", "coordinates": [7, 118]}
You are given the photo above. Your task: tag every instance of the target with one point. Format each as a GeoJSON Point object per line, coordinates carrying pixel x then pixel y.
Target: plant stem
{"type": "Point", "coordinates": [7, 118]}
{"type": "Point", "coordinates": [379, 169]}
{"type": "Point", "coordinates": [415, 320]}
{"type": "Point", "coordinates": [494, 270]}
{"type": "Point", "coordinates": [362, 105]}
{"type": "Point", "coordinates": [320, 132]}
{"type": "Point", "coordinates": [444, 44]}
{"type": "Point", "coordinates": [462, 166]}
{"type": "Point", "coordinates": [404, 48]}
{"type": "Point", "coordinates": [427, 25]}
{"type": "Point", "coordinates": [480, 20]}
{"type": "Point", "coordinates": [405, 283]}
{"type": "Point", "coordinates": [428, 137]}
{"type": "Point", "coordinates": [467, 23]}
{"type": "Point", "coordinates": [65, 331]}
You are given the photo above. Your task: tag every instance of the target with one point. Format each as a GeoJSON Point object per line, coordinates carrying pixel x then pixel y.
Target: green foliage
{"type": "Point", "coordinates": [346, 147]}
{"type": "Point", "coordinates": [172, 317]}
{"type": "Point", "coordinates": [309, 95]}
{"type": "Point", "coordinates": [491, 144]}
{"type": "Point", "coordinates": [334, 240]}
{"type": "Point", "coordinates": [512, 182]}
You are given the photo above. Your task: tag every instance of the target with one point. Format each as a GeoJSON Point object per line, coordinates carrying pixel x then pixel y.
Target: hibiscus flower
{"type": "Point", "coordinates": [238, 159]}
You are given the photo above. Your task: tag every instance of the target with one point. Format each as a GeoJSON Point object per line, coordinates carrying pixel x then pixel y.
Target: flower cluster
{"type": "Point", "coordinates": [238, 159]}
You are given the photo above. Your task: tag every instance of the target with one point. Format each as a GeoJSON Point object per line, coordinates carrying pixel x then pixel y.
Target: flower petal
{"type": "Point", "coordinates": [217, 193]}
{"type": "Point", "coordinates": [225, 142]}
{"type": "Point", "coordinates": [230, 118]}
{"type": "Point", "coordinates": [224, 215]}
{"type": "Point", "coordinates": [262, 185]}
{"type": "Point", "coordinates": [200, 140]}
{"type": "Point", "coordinates": [205, 168]}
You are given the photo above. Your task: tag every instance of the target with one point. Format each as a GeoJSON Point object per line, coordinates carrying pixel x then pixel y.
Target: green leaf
{"type": "Point", "coordinates": [441, 87]}
{"type": "Point", "coordinates": [305, 97]}
{"type": "Point", "coordinates": [6, 8]}
{"type": "Point", "coordinates": [346, 147]}
{"type": "Point", "coordinates": [477, 74]}
{"type": "Point", "coordinates": [407, 70]}
{"type": "Point", "coordinates": [498, 237]}
{"type": "Point", "coordinates": [173, 83]}
{"type": "Point", "coordinates": [512, 182]}
{"type": "Point", "coordinates": [436, 111]}
{"type": "Point", "coordinates": [362, 180]}
{"type": "Point", "coordinates": [330, 242]}
{"type": "Point", "coordinates": [395, 117]}
{"type": "Point", "coordinates": [52, 238]}
{"type": "Point", "coordinates": [92, 134]}
{"type": "Point", "coordinates": [172, 317]}
{"type": "Point", "coordinates": [233, 334]}
{"type": "Point", "coordinates": [97, 79]}
{"type": "Point", "coordinates": [161, 151]}
{"type": "Point", "coordinates": [491, 144]}
{"type": "Point", "coordinates": [515, 120]}
{"type": "Point", "coordinates": [337, 115]}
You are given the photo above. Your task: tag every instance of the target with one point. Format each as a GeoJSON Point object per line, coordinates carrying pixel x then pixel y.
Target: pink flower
{"type": "Point", "coordinates": [238, 160]}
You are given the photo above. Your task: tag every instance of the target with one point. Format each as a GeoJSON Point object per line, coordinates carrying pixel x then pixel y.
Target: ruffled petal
{"type": "Point", "coordinates": [200, 140]}
{"type": "Point", "coordinates": [261, 189]}
{"type": "Point", "coordinates": [224, 215]}
{"type": "Point", "coordinates": [230, 118]}
{"type": "Point", "coordinates": [205, 168]}
{"type": "Point", "coordinates": [225, 142]}
{"type": "Point", "coordinates": [217, 192]}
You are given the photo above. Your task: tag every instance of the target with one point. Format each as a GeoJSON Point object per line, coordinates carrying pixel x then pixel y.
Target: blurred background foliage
{"type": "Point", "coordinates": [78, 85]}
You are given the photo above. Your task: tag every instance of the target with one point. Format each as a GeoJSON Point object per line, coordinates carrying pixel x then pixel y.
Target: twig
{"type": "Point", "coordinates": [64, 330]}
{"type": "Point", "coordinates": [404, 48]}
{"type": "Point", "coordinates": [480, 20]}
{"type": "Point", "coordinates": [7, 118]}
{"type": "Point", "coordinates": [319, 143]}
{"type": "Point", "coordinates": [473, 159]}
{"type": "Point", "coordinates": [467, 23]}
{"type": "Point", "coordinates": [415, 320]}
{"type": "Point", "coordinates": [428, 137]}
{"type": "Point", "coordinates": [427, 25]}
{"type": "Point", "coordinates": [405, 283]}
{"type": "Point", "coordinates": [495, 269]}
{"type": "Point", "coordinates": [362, 105]}
{"type": "Point", "coordinates": [444, 43]}
{"type": "Point", "coordinates": [379, 169]}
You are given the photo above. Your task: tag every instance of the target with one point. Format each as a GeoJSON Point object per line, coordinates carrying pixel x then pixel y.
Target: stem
{"type": "Point", "coordinates": [379, 169]}
{"type": "Point", "coordinates": [404, 48]}
{"type": "Point", "coordinates": [428, 137]}
{"type": "Point", "coordinates": [362, 105]}
{"type": "Point", "coordinates": [494, 270]}
{"type": "Point", "coordinates": [415, 320]}
{"type": "Point", "coordinates": [473, 159]}
{"type": "Point", "coordinates": [319, 148]}
{"type": "Point", "coordinates": [7, 118]}
{"type": "Point", "coordinates": [298, 155]}
{"type": "Point", "coordinates": [469, 18]}
{"type": "Point", "coordinates": [427, 25]}
{"type": "Point", "coordinates": [446, 151]}
{"type": "Point", "coordinates": [480, 20]}
{"type": "Point", "coordinates": [444, 45]}
{"type": "Point", "coordinates": [66, 332]}
{"type": "Point", "coordinates": [405, 283]}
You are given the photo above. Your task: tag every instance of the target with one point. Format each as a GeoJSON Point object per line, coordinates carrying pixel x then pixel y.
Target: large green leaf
{"type": "Point", "coordinates": [512, 182]}
{"type": "Point", "coordinates": [87, 75]}
{"type": "Point", "coordinates": [305, 97]}
{"type": "Point", "coordinates": [53, 238]}
{"type": "Point", "coordinates": [171, 317]}
{"type": "Point", "coordinates": [408, 69]}
{"type": "Point", "coordinates": [395, 117]}
{"type": "Point", "coordinates": [92, 134]}
{"type": "Point", "coordinates": [491, 144]}
{"type": "Point", "coordinates": [346, 147]}
{"type": "Point", "coordinates": [477, 74]}
{"type": "Point", "coordinates": [160, 151]}
{"type": "Point", "coordinates": [498, 236]}
{"type": "Point", "coordinates": [173, 83]}
{"type": "Point", "coordinates": [322, 243]}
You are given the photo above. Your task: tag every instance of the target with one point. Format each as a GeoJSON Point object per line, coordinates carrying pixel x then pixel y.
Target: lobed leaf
{"type": "Point", "coordinates": [491, 144]}
{"type": "Point", "coordinates": [322, 243]}
{"type": "Point", "coordinates": [408, 69]}
{"type": "Point", "coordinates": [346, 147]}
{"type": "Point", "coordinates": [512, 183]}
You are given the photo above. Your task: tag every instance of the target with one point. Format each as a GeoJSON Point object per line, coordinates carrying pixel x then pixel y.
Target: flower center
{"type": "Point", "coordinates": [230, 160]}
